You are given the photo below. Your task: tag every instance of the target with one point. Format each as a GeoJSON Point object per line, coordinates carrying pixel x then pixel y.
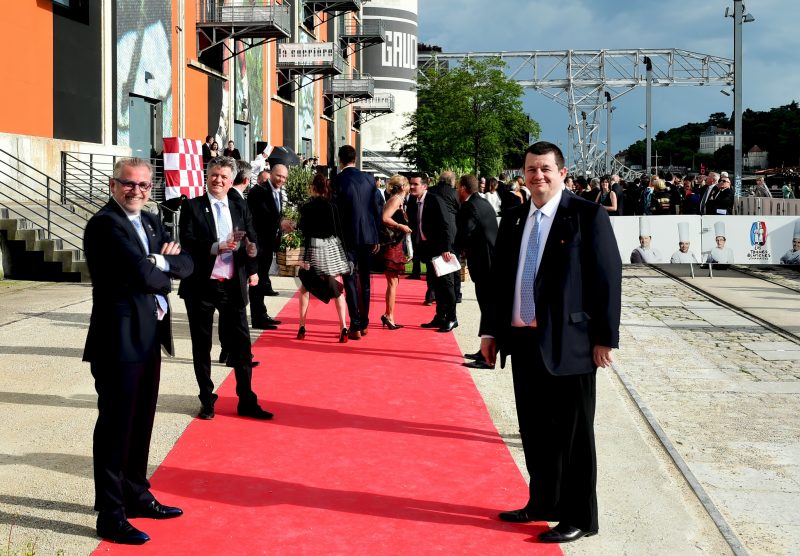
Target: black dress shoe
{"type": "Point", "coordinates": [271, 293]}
{"type": "Point", "coordinates": [119, 531]}
{"type": "Point", "coordinates": [223, 356]}
{"type": "Point", "coordinates": [263, 325]}
{"type": "Point", "coordinates": [256, 412]}
{"type": "Point", "coordinates": [516, 516]}
{"type": "Point", "coordinates": [448, 326]}
{"type": "Point", "coordinates": [206, 412]}
{"type": "Point", "coordinates": [435, 323]}
{"type": "Point", "coordinates": [154, 510]}
{"type": "Point", "coordinates": [564, 533]}
{"type": "Point", "coordinates": [477, 356]}
{"type": "Point", "coordinates": [478, 364]}
{"type": "Point", "coordinates": [458, 299]}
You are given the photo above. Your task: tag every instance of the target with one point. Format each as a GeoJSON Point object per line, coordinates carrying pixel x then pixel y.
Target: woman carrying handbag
{"type": "Point", "coordinates": [324, 259]}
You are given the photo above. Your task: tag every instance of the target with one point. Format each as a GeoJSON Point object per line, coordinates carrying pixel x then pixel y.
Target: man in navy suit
{"type": "Point", "coordinates": [131, 259]}
{"type": "Point", "coordinates": [556, 310]}
{"type": "Point", "coordinates": [216, 233]}
{"type": "Point", "coordinates": [360, 212]}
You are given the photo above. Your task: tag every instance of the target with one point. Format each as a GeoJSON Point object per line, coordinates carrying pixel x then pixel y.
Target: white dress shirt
{"type": "Point", "coordinates": [546, 222]}
{"type": "Point", "coordinates": [221, 270]}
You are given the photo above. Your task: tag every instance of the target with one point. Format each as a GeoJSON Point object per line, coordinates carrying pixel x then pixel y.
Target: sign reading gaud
{"type": "Point", "coordinates": [708, 239]}
{"type": "Point", "coordinates": [305, 54]}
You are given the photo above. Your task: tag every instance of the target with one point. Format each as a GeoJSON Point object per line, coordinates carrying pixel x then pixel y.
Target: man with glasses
{"type": "Point", "coordinates": [720, 201]}
{"type": "Point", "coordinates": [131, 259]}
{"type": "Point", "coordinates": [217, 234]}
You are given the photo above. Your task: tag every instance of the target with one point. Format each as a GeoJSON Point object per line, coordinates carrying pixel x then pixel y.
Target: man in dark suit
{"type": "Point", "coordinates": [436, 229]}
{"type": "Point", "coordinates": [207, 149]}
{"type": "Point", "coordinates": [705, 193]}
{"type": "Point", "coordinates": [556, 310]}
{"type": "Point", "coordinates": [265, 203]}
{"type": "Point", "coordinates": [131, 260]}
{"type": "Point", "coordinates": [359, 210]}
{"type": "Point", "coordinates": [446, 189]}
{"type": "Point", "coordinates": [476, 235]}
{"type": "Point", "coordinates": [216, 232]}
{"type": "Point", "coordinates": [720, 201]}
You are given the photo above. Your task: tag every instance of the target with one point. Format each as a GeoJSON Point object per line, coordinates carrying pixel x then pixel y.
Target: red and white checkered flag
{"type": "Point", "coordinates": [183, 167]}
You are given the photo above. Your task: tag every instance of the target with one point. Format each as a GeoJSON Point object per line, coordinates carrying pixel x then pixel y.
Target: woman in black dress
{"type": "Point", "coordinates": [606, 197]}
{"type": "Point", "coordinates": [319, 220]}
{"type": "Point", "coordinates": [393, 232]}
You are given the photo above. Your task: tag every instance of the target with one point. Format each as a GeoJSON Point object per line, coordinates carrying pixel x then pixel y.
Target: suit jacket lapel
{"type": "Point", "coordinates": [559, 230]}
{"type": "Point", "coordinates": [205, 206]}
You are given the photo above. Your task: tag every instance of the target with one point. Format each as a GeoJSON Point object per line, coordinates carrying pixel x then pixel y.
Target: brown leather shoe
{"type": "Point", "coordinates": [354, 334]}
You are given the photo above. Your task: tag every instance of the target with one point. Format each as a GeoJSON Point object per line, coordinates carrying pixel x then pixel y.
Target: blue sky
{"type": "Point", "coordinates": [771, 49]}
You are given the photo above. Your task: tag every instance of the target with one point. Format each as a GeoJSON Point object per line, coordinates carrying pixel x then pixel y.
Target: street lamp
{"type": "Point", "coordinates": [649, 103]}
{"type": "Point", "coordinates": [739, 17]}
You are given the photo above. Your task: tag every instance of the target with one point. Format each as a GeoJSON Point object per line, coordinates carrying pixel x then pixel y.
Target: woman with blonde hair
{"type": "Point", "coordinates": [393, 232]}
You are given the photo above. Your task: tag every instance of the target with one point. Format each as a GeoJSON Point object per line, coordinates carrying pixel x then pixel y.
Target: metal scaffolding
{"type": "Point", "coordinates": [587, 82]}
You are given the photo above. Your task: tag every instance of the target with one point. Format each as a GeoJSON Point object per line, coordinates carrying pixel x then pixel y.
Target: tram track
{"type": "Point", "coordinates": [726, 530]}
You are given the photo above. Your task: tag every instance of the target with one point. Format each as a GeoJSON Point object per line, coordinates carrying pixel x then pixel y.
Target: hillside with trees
{"type": "Point", "coordinates": [775, 131]}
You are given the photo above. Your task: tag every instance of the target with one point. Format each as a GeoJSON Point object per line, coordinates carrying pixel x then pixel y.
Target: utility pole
{"type": "Point", "coordinates": [609, 109]}
{"type": "Point", "coordinates": [649, 110]}
{"type": "Point", "coordinates": [738, 13]}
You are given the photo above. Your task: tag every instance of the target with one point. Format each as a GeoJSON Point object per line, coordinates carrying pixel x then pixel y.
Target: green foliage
{"type": "Point", "coordinates": [296, 185]}
{"type": "Point", "coordinates": [467, 117]}
{"type": "Point", "coordinates": [775, 131]}
{"type": "Point", "coordinates": [291, 240]}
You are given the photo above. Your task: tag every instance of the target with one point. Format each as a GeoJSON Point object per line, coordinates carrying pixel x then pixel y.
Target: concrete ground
{"type": "Point", "coordinates": [710, 382]}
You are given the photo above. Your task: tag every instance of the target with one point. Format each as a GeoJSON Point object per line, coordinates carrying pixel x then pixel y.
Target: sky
{"type": "Point", "coordinates": [770, 57]}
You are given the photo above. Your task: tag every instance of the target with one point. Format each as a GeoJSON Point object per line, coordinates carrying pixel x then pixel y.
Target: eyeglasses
{"type": "Point", "coordinates": [143, 185]}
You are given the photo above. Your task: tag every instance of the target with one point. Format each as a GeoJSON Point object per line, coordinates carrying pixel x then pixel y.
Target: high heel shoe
{"type": "Point", "coordinates": [343, 336]}
{"type": "Point", "coordinates": [301, 334]}
{"type": "Point", "coordinates": [386, 322]}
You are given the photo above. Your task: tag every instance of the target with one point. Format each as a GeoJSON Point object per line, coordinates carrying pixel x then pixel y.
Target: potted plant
{"type": "Point", "coordinates": [290, 252]}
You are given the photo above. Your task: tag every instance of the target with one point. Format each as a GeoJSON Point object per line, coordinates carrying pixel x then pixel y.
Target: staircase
{"type": "Point", "coordinates": [41, 237]}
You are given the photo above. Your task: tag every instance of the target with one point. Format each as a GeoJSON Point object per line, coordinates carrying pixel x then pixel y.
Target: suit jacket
{"type": "Point", "coordinates": [476, 236]}
{"type": "Point", "coordinates": [206, 153]}
{"type": "Point", "coordinates": [358, 207]}
{"type": "Point", "coordinates": [124, 325]}
{"type": "Point", "coordinates": [618, 191]}
{"type": "Point", "coordinates": [198, 233]}
{"type": "Point", "coordinates": [438, 225]}
{"type": "Point", "coordinates": [722, 201]}
{"type": "Point", "coordinates": [578, 288]}
{"type": "Point", "coordinates": [266, 216]}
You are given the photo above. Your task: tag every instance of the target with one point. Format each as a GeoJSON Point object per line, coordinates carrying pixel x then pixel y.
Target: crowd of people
{"type": "Point", "coordinates": [531, 275]}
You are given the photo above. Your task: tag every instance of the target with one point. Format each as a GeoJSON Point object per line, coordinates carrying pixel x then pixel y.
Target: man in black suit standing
{"type": "Point", "coordinates": [359, 210]}
{"type": "Point", "coordinates": [131, 259]}
{"type": "Point", "coordinates": [720, 200]}
{"type": "Point", "coordinates": [207, 149]}
{"type": "Point", "coordinates": [265, 203]}
{"type": "Point", "coordinates": [476, 235]}
{"type": "Point", "coordinates": [446, 189]}
{"type": "Point", "coordinates": [436, 229]}
{"type": "Point", "coordinates": [216, 232]}
{"type": "Point", "coordinates": [556, 310]}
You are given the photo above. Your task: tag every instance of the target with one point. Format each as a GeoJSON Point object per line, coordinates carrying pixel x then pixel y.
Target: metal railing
{"type": "Point", "coordinates": [34, 196]}
{"type": "Point", "coordinates": [241, 12]}
{"type": "Point", "coordinates": [86, 176]}
{"type": "Point", "coordinates": [767, 206]}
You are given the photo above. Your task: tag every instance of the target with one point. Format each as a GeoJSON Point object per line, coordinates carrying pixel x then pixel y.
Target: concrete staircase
{"type": "Point", "coordinates": [29, 255]}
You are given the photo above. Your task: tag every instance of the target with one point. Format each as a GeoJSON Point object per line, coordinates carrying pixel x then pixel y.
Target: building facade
{"type": "Point", "coordinates": [713, 138]}
{"type": "Point", "coordinates": [114, 77]}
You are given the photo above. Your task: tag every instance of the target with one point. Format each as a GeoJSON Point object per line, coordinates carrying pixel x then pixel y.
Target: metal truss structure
{"type": "Point", "coordinates": [588, 81]}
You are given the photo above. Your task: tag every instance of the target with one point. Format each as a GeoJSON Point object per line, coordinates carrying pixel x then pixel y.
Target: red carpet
{"type": "Point", "coordinates": [379, 446]}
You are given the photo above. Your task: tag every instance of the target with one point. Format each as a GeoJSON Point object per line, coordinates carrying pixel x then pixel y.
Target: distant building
{"type": "Point", "coordinates": [756, 157]}
{"type": "Point", "coordinates": [713, 138]}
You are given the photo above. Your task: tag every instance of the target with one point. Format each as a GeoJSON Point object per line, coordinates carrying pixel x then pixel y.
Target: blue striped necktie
{"type": "Point", "coordinates": [527, 306]}
{"type": "Point", "coordinates": [137, 223]}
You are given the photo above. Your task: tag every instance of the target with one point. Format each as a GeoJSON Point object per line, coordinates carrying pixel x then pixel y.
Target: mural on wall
{"type": "Point", "coordinates": [144, 59]}
{"type": "Point", "coordinates": [250, 89]}
{"type": "Point", "coordinates": [305, 107]}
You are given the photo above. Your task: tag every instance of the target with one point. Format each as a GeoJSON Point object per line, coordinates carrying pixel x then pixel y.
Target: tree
{"type": "Point", "coordinates": [469, 116]}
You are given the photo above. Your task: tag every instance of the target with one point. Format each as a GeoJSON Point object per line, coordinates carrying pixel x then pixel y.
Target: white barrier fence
{"type": "Point", "coordinates": [751, 239]}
